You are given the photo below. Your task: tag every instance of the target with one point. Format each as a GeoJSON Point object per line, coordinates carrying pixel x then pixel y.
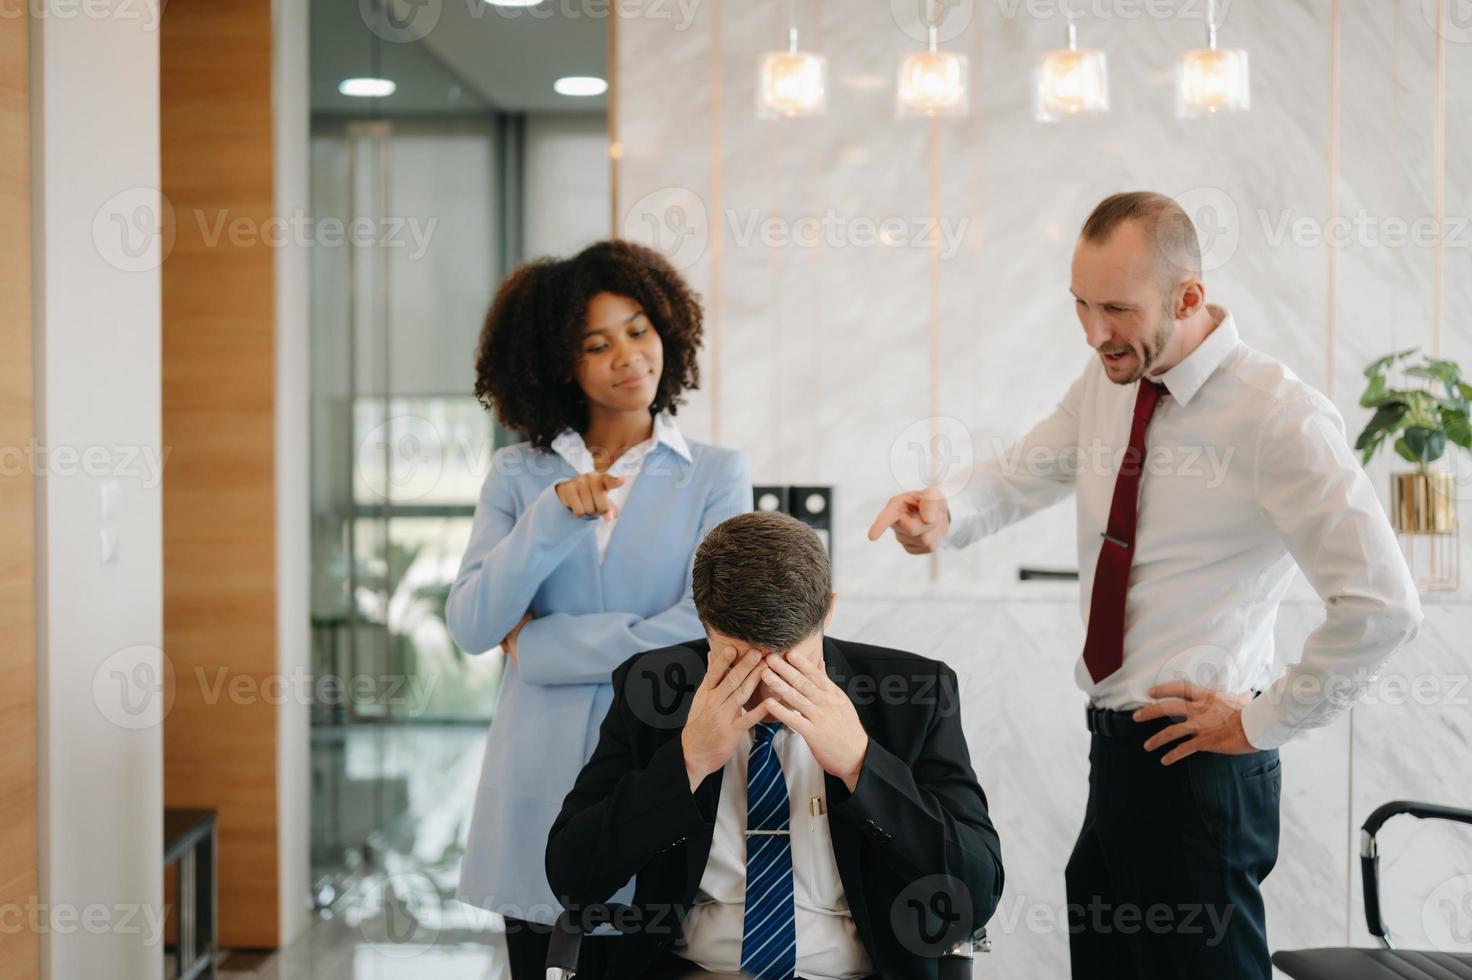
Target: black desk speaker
{"type": "Point", "coordinates": [813, 505]}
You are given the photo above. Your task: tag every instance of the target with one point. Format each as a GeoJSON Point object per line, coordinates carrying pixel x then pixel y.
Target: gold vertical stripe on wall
{"type": "Point", "coordinates": [713, 225]}
{"type": "Point", "coordinates": [19, 875]}
{"type": "Point", "coordinates": [1396, 168]}
{"type": "Point", "coordinates": [1332, 254]}
{"type": "Point", "coordinates": [1439, 192]}
{"type": "Point", "coordinates": [933, 205]}
{"type": "Point", "coordinates": [1331, 280]}
{"type": "Point", "coordinates": [615, 149]}
{"type": "Point", "coordinates": [776, 324]}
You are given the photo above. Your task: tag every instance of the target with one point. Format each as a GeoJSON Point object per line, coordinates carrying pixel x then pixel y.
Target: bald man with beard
{"type": "Point", "coordinates": [1182, 566]}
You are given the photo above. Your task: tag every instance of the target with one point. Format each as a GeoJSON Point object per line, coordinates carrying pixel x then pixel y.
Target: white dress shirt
{"type": "Point", "coordinates": [828, 944]}
{"type": "Point", "coordinates": [570, 446]}
{"type": "Point", "coordinates": [1247, 472]}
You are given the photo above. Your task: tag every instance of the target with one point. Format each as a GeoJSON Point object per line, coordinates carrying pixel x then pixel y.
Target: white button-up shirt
{"type": "Point", "coordinates": [1247, 472]}
{"type": "Point", "coordinates": [570, 446]}
{"type": "Point", "coordinates": [828, 944]}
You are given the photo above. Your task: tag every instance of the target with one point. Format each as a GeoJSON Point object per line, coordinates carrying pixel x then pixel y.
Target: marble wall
{"type": "Point", "coordinates": [829, 360]}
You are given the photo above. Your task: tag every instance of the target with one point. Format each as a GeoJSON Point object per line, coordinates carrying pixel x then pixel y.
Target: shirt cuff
{"type": "Point", "coordinates": [963, 512]}
{"type": "Point", "coordinates": [1262, 725]}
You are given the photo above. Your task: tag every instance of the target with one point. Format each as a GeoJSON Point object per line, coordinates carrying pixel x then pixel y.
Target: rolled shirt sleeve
{"type": "Point", "coordinates": [1318, 497]}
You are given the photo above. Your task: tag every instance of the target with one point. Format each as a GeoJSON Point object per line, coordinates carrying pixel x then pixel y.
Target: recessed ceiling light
{"type": "Point", "coordinates": [366, 88]}
{"type": "Point", "coordinates": [580, 85]}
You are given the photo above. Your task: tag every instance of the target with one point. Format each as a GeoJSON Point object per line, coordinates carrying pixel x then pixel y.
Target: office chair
{"type": "Point", "coordinates": [1387, 963]}
{"type": "Point", "coordinates": [567, 937]}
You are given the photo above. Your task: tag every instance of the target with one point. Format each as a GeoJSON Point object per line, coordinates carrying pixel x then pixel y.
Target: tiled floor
{"type": "Point", "coordinates": [333, 949]}
{"type": "Point", "coordinates": [392, 802]}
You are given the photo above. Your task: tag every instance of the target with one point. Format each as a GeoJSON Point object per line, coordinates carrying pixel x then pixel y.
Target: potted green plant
{"type": "Point", "coordinates": [1419, 423]}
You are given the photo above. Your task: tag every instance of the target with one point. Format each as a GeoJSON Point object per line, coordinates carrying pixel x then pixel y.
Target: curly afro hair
{"type": "Point", "coordinates": [530, 343]}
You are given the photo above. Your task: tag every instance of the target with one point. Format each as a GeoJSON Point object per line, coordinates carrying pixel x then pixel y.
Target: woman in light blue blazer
{"type": "Point", "coordinates": [583, 539]}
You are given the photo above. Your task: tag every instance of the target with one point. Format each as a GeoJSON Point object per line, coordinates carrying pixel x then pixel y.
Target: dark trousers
{"type": "Point", "coordinates": [526, 944]}
{"type": "Point", "coordinates": [1164, 881]}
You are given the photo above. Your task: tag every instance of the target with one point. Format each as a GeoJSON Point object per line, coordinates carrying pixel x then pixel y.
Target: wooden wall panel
{"type": "Point", "coordinates": [18, 841]}
{"type": "Point", "coordinates": [218, 420]}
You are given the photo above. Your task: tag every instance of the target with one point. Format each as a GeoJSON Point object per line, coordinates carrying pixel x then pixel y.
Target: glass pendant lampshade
{"type": "Point", "coordinates": [1210, 80]}
{"type": "Point", "coordinates": [1071, 82]}
{"type": "Point", "coordinates": [792, 83]}
{"type": "Point", "coordinates": [931, 83]}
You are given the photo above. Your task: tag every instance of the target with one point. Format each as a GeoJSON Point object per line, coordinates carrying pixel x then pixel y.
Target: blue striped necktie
{"type": "Point", "coordinates": [769, 939]}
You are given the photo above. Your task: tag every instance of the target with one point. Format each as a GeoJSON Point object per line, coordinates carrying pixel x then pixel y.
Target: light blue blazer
{"type": "Point", "coordinates": [527, 551]}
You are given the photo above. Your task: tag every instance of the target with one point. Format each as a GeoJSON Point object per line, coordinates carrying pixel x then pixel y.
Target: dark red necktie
{"type": "Point", "coordinates": [1104, 646]}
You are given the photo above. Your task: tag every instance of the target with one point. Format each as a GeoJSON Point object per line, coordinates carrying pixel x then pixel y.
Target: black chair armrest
{"type": "Point", "coordinates": [956, 962]}
{"type": "Point", "coordinates": [566, 940]}
{"type": "Point", "coordinates": [563, 945]}
{"type": "Point", "coordinates": [1370, 852]}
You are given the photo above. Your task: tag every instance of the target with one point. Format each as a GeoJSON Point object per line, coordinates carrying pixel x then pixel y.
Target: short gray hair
{"type": "Point", "coordinates": [763, 578]}
{"type": "Point", "coordinates": [1166, 226]}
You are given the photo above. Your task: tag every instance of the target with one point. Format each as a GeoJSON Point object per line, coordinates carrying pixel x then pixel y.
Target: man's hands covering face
{"type": "Point", "coordinates": [802, 697]}
{"type": "Point", "coordinates": [808, 702]}
{"type": "Point", "coordinates": [716, 722]}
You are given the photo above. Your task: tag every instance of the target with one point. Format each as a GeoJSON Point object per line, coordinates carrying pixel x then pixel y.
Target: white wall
{"type": "Point", "coordinates": [95, 88]}
{"type": "Point", "coordinates": [837, 339]}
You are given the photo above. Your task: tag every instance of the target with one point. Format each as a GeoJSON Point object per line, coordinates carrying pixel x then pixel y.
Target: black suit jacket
{"type": "Point", "coordinates": [915, 848]}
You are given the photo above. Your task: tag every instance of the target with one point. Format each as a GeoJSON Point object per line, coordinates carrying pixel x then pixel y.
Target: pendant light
{"type": "Point", "coordinates": [931, 82]}
{"type": "Point", "coordinates": [1210, 80]}
{"type": "Point", "coordinates": [1071, 81]}
{"type": "Point", "coordinates": [792, 82]}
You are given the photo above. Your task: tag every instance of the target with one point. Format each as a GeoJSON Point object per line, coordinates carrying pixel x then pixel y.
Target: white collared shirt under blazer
{"type": "Point", "coordinates": [828, 943]}
{"type": "Point", "coordinates": [1247, 474]}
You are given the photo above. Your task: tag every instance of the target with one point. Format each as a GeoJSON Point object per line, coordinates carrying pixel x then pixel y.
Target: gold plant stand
{"type": "Point", "coordinates": [1423, 509]}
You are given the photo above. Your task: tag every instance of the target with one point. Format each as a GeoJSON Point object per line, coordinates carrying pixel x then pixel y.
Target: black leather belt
{"type": "Point", "coordinates": [1121, 724]}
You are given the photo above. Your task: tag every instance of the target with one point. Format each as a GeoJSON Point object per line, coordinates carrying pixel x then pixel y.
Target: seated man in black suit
{"type": "Point", "coordinates": [790, 804]}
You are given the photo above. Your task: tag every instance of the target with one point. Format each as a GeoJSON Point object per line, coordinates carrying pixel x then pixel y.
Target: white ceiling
{"type": "Point", "coordinates": [457, 55]}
